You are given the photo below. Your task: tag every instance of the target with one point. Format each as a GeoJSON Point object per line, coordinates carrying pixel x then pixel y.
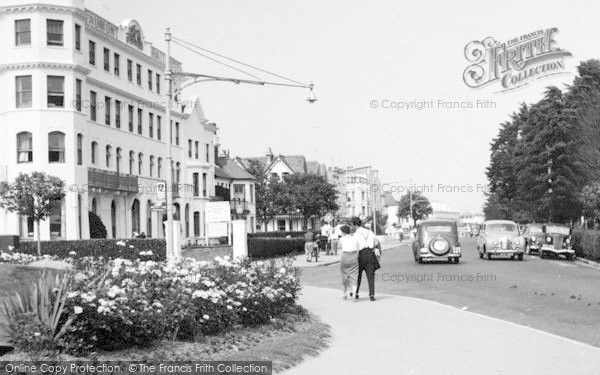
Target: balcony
{"type": "Point", "coordinates": [108, 180]}
{"type": "Point", "coordinates": [241, 207]}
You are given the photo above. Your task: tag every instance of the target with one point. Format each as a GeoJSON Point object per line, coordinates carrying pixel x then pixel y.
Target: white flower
{"type": "Point", "coordinates": [72, 253]}
{"type": "Point", "coordinates": [229, 307]}
{"type": "Point", "coordinates": [244, 309]}
{"type": "Point", "coordinates": [120, 243]}
{"type": "Point", "coordinates": [72, 294]}
{"type": "Point", "coordinates": [78, 310]}
{"type": "Point", "coordinates": [11, 247]}
{"type": "Point", "coordinates": [131, 246]}
{"type": "Point", "coordinates": [37, 334]}
{"type": "Point", "coordinates": [205, 317]}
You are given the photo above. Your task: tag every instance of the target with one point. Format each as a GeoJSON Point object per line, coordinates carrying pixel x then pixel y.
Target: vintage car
{"type": "Point", "coordinates": [437, 240]}
{"type": "Point", "coordinates": [500, 237]}
{"type": "Point", "coordinates": [557, 242]}
{"type": "Point", "coordinates": [533, 235]}
{"type": "Point", "coordinates": [475, 230]}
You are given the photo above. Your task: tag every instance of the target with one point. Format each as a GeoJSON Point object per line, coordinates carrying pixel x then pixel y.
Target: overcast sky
{"type": "Point", "coordinates": [357, 52]}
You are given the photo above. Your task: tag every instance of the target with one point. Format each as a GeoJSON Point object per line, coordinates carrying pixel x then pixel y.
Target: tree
{"type": "Point", "coordinates": [420, 206]}
{"type": "Point", "coordinates": [308, 194]}
{"type": "Point", "coordinates": [266, 191]}
{"type": "Point", "coordinates": [97, 228]}
{"type": "Point", "coordinates": [590, 200]}
{"type": "Point", "coordinates": [33, 195]}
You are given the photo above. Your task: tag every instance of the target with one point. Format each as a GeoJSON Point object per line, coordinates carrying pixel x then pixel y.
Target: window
{"type": "Point", "coordinates": [138, 74]}
{"type": "Point", "coordinates": [107, 110]}
{"type": "Point", "coordinates": [56, 220]}
{"type": "Point", "coordinates": [23, 91]}
{"type": "Point", "coordinates": [108, 156]}
{"type": "Point", "coordinates": [178, 172]}
{"type": "Point", "coordinates": [204, 185]}
{"type": "Point", "coordinates": [56, 91]}
{"type": "Point", "coordinates": [78, 95]}
{"type": "Point", "coordinates": [93, 98]}
{"type": "Point", "coordinates": [196, 149]}
{"type": "Point", "coordinates": [197, 224]}
{"type": "Point", "coordinates": [93, 152]}
{"type": "Point", "coordinates": [177, 133]}
{"type": "Point", "coordinates": [23, 32]}
{"type": "Point", "coordinates": [106, 60]}
{"type": "Point", "coordinates": [281, 225]}
{"type": "Point", "coordinates": [79, 149]}
{"type": "Point", "coordinates": [196, 184]}
{"type": "Point", "coordinates": [157, 83]}
{"type": "Point", "coordinates": [187, 220]}
{"type": "Point", "coordinates": [207, 147]}
{"type": "Point", "coordinates": [117, 63]}
{"type": "Point", "coordinates": [140, 163]}
{"type": "Point", "coordinates": [140, 113]}
{"type": "Point", "coordinates": [189, 148]}
{"type": "Point", "coordinates": [238, 192]}
{"type": "Point", "coordinates": [78, 37]}
{"type": "Point", "coordinates": [130, 119]}
{"type": "Point", "coordinates": [149, 219]}
{"type": "Point", "coordinates": [131, 161]}
{"type": "Point", "coordinates": [251, 194]}
{"type": "Point", "coordinates": [151, 165]}
{"type": "Point", "coordinates": [150, 74]}
{"type": "Point", "coordinates": [118, 114]}
{"type": "Point", "coordinates": [158, 125]}
{"type": "Point", "coordinates": [130, 70]}
{"type": "Point", "coordinates": [24, 147]}
{"type": "Point", "coordinates": [54, 32]}
{"type": "Point", "coordinates": [119, 152]}
{"type": "Point", "coordinates": [56, 147]}
{"type": "Point", "coordinates": [158, 167]}
{"type": "Point", "coordinates": [92, 48]}
{"type": "Point", "coordinates": [150, 125]}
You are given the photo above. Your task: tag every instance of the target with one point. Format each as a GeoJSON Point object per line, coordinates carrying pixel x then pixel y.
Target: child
{"type": "Point", "coordinates": [349, 264]}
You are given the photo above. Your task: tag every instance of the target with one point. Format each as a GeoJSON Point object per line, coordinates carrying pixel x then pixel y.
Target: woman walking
{"type": "Point", "coordinates": [349, 264]}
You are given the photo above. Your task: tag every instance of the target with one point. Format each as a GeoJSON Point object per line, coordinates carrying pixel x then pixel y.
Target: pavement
{"type": "Point", "coordinates": [326, 260]}
{"type": "Point", "coordinates": [406, 335]}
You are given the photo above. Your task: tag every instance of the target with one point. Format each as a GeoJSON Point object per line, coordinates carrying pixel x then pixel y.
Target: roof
{"type": "Point", "coordinates": [227, 168]}
{"type": "Point", "coordinates": [297, 163]}
{"type": "Point", "coordinates": [389, 200]}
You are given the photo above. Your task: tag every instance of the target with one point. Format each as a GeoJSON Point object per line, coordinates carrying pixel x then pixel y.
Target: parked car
{"type": "Point", "coordinates": [500, 237]}
{"type": "Point", "coordinates": [557, 242]}
{"type": "Point", "coordinates": [437, 240]}
{"type": "Point", "coordinates": [475, 230]}
{"type": "Point", "coordinates": [533, 235]}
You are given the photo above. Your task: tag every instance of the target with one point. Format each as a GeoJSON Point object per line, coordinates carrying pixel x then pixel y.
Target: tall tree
{"type": "Point", "coordinates": [33, 195]}
{"type": "Point", "coordinates": [310, 195]}
{"type": "Point", "coordinates": [420, 206]}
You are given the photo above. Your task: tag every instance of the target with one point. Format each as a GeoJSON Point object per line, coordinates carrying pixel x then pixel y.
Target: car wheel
{"type": "Point", "coordinates": [420, 260]}
{"type": "Point", "coordinates": [481, 255]}
{"type": "Point", "coordinates": [489, 256]}
{"type": "Point", "coordinates": [520, 257]}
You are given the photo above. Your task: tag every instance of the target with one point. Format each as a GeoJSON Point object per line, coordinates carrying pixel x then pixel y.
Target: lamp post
{"type": "Point", "coordinates": [194, 78]}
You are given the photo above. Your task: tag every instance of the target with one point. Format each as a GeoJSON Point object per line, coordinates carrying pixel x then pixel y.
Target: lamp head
{"type": "Point", "coordinates": [311, 96]}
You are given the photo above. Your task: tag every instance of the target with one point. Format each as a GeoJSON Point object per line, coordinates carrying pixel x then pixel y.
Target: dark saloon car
{"type": "Point", "coordinates": [557, 242]}
{"type": "Point", "coordinates": [437, 240]}
{"type": "Point", "coordinates": [533, 234]}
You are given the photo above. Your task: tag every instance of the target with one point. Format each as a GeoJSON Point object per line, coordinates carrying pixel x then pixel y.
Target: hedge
{"type": "Point", "coordinates": [107, 248]}
{"type": "Point", "coordinates": [586, 243]}
{"type": "Point", "coordinates": [272, 247]}
{"type": "Point", "coordinates": [278, 234]}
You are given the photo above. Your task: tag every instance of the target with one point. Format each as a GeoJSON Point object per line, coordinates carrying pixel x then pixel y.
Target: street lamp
{"type": "Point", "coordinates": [194, 78]}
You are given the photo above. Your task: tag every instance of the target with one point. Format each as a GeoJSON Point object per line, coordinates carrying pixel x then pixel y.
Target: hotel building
{"type": "Point", "coordinates": [84, 99]}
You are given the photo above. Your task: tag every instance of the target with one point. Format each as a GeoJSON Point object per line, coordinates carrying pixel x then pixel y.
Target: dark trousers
{"type": "Point", "coordinates": [366, 262]}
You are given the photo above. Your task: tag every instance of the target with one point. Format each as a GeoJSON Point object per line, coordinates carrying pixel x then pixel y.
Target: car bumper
{"type": "Point", "coordinates": [508, 252]}
{"type": "Point", "coordinates": [557, 251]}
{"type": "Point", "coordinates": [534, 247]}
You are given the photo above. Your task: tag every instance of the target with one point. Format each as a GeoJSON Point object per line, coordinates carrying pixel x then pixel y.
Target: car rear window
{"type": "Point", "coordinates": [501, 228]}
{"type": "Point", "coordinates": [439, 228]}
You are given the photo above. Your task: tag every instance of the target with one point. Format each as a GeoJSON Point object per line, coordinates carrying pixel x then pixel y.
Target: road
{"type": "Point", "coordinates": [555, 296]}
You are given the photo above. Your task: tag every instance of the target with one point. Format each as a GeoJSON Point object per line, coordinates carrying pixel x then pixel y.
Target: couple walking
{"type": "Point", "coordinates": [360, 252]}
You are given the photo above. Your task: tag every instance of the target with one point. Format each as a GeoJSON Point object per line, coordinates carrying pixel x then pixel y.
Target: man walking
{"type": "Point", "coordinates": [367, 260]}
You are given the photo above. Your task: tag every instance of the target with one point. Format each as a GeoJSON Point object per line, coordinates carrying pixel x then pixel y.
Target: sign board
{"type": "Point", "coordinates": [217, 212]}
{"type": "Point", "coordinates": [161, 192]}
{"type": "Point", "coordinates": [217, 229]}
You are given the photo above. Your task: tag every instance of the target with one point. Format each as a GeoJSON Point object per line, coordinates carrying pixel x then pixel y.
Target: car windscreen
{"type": "Point", "coordinates": [439, 228]}
{"type": "Point", "coordinates": [552, 229]}
{"type": "Point", "coordinates": [504, 227]}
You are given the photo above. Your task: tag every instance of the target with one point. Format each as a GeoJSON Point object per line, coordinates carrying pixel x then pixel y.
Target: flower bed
{"type": "Point", "coordinates": [122, 303]}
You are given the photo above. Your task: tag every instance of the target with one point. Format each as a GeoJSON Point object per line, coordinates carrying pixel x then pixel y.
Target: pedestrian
{"type": "Point", "coordinates": [335, 236]}
{"type": "Point", "coordinates": [367, 260]}
{"type": "Point", "coordinates": [309, 244]}
{"type": "Point", "coordinates": [349, 263]}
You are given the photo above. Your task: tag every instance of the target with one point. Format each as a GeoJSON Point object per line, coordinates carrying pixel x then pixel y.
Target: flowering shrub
{"type": "Point", "coordinates": [122, 303]}
{"type": "Point", "coordinates": [21, 258]}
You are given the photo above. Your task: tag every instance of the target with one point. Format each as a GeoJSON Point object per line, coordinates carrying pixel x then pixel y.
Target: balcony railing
{"type": "Point", "coordinates": [108, 180]}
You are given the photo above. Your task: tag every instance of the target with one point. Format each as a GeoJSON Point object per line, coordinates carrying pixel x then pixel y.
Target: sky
{"type": "Point", "coordinates": [358, 53]}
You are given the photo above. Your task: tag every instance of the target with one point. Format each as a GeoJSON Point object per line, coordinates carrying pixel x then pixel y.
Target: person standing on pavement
{"type": "Point", "coordinates": [367, 261]}
{"type": "Point", "coordinates": [335, 236]}
{"type": "Point", "coordinates": [349, 262]}
{"type": "Point", "coordinates": [309, 244]}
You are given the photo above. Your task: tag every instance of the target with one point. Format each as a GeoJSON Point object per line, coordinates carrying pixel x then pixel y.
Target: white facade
{"type": "Point", "coordinates": [362, 192]}
{"type": "Point", "coordinates": [61, 65]}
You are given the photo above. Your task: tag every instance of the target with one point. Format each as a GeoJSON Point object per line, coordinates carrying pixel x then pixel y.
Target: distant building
{"type": "Point", "coordinates": [363, 193]}
{"type": "Point", "coordinates": [443, 211]}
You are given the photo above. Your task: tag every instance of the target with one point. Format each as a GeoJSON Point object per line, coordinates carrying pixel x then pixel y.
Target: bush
{"type": "Point", "coordinates": [272, 247]}
{"type": "Point", "coordinates": [107, 248]}
{"type": "Point", "coordinates": [97, 228]}
{"type": "Point", "coordinates": [586, 243]}
{"type": "Point", "coordinates": [279, 234]}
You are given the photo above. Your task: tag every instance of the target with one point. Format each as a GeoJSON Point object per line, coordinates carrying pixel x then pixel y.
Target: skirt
{"type": "Point", "coordinates": [349, 267]}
